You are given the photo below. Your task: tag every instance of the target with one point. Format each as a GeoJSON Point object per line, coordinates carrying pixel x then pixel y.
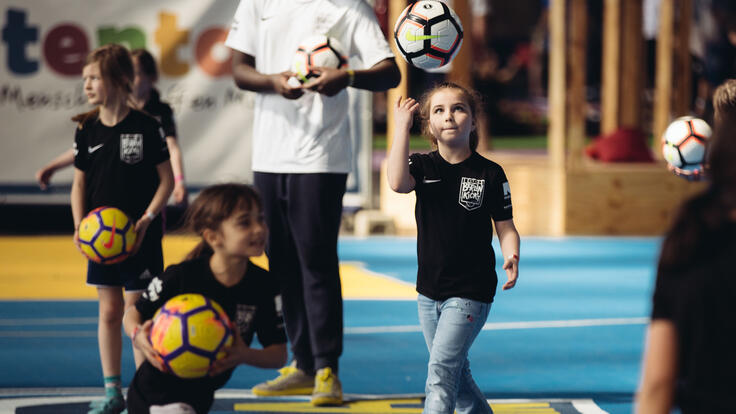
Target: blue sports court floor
{"type": "Point", "coordinates": [567, 339]}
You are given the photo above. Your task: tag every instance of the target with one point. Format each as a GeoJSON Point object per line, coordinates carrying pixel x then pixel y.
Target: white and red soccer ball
{"type": "Point", "coordinates": [428, 34]}
{"type": "Point", "coordinates": [683, 143]}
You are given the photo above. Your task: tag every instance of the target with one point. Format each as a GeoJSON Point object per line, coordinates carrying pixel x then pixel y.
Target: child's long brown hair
{"type": "Point", "coordinates": [147, 62]}
{"type": "Point", "coordinates": [724, 101]}
{"type": "Point", "coordinates": [213, 206]}
{"type": "Point", "coordinates": [471, 97]}
{"type": "Point", "coordinates": [116, 70]}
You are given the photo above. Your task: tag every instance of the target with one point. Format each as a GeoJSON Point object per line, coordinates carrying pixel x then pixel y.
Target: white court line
{"type": "Point", "coordinates": [499, 326]}
{"type": "Point", "coordinates": [355, 330]}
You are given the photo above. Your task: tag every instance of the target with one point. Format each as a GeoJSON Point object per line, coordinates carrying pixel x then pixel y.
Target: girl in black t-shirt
{"type": "Point", "coordinates": [121, 161]}
{"type": "Point", "coordinates": [146, 98]}
{"type": "Point", "coordinates": [458, 193]}
{"type": "Point", "coordinates": [230, 221]}
{"type": "Point", "coordinates": [689, 361]}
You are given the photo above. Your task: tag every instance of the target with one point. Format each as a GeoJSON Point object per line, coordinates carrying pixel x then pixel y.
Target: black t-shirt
{"type": "Point", "coordinates": [455, 204]}
{"type": "Point", "coordinates": [120, 162]}
{"type": "Point", "coordinates": [254, 305]}
{"type": "Point", "coordinates": [162, 112]}
{"type": "Point", "coordinates": [700, 300]}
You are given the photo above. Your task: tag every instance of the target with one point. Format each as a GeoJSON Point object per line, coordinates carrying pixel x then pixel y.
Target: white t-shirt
{"type": "Point", "coordinates": [310, 134]}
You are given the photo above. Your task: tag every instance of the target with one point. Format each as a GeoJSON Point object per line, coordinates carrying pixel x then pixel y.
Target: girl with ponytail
{"type": "Point", "coordinates": [229, 219]}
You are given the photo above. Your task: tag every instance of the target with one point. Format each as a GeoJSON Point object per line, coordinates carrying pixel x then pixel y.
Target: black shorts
{"type": "Point", "coordinates": [133, 273]}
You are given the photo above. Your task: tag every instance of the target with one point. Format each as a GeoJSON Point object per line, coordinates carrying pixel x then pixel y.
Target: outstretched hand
{"type": "Point", "coordinates": [511, 266]}
{"type": "Point", "coordinates": [329, 81]}
{"type": "Point", "coordinates": [141, 342]}
{"type": "Point", "coordinates": [404, 112]}
{"type": "Point", "coordinates": [234, 355]}
{"type": "Point", "coordinates": [690, 175]}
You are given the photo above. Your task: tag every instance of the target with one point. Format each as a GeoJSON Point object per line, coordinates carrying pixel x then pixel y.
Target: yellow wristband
{"type": "Point", "coordinates": [351, 77]}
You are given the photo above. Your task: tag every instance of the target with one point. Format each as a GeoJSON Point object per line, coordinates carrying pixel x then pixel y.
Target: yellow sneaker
{"type": "Point", "coordinates": [327, 388]}
{"type": "Point", "coordinates": [292, 381]}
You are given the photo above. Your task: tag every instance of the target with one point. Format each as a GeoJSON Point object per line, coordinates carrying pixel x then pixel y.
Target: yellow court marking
{"type": "Point", "coordinates": [50, 267]}
{"type": "Point", "coordinates": [401, 406]}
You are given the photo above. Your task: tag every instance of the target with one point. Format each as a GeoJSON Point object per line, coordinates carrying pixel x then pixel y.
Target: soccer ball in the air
{"type": "Point", "coordinates": [106, 235]}
{"type": "Point", "coordinates": [315, 51]}
{"type": "Point", "coordinates": [683, 143]}
{"type": "Point", "coordinates": [428, 34]}
{"type": "Point", "coordinates": [189, 333]}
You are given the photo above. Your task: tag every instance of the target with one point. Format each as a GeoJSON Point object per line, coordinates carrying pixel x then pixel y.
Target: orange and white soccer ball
{"type": "Point", "coordinates": [190, 332]}
{"type": "Point", "coordinates": [428, 34]}
{"type": "Point", "coordinates": [106, 235]}
{"type": "Point", "coordinates": [683, 143]}
{"type": "Point", "coordinates": [316, 51]}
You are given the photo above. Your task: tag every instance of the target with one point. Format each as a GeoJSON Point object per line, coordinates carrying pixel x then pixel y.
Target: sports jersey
{"type": "Point", "coordinates": [162, 112]}
{"type": "Point", "coordinates": [120, 162]}
{"type": "Point", "coordinates": [454, 208]}
{"type": "Point", "coordinates": [698, 298]}
{"type": "Point", "coordinates": [310, 134]}
{"type": "Point", "coordinates": [253, 305]}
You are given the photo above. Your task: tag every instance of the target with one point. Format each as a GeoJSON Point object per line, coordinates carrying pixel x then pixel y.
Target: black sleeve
{"type": "Point", "coordinates": [154, 143]}
{"type": "Point", "coordinates": [167, 121]}
{"type": "Point", "coordinates": [80, 150]}
{"type": "Point", "coordinates": [162, 288]}
{"type": "Point", "coordinates": [662, 302]}
{"type": "Point", "coordinates": [270, 318]}
{"type": "Point", "coordinates": [501, 197]}
{"type": "Point", "coordinates": [416, 169]}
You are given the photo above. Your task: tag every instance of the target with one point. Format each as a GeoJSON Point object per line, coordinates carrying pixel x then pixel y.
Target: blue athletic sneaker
{"type": "Point", "coordinates": [110, 405]}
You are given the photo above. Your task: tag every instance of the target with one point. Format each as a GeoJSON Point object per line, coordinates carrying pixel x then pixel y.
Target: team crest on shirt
{"type": "Point", "coordinates": [244, 315]}
{"type": "Point", "coordinates": [471, 193]}
{"type": "Point", "coordinates": [131, 148]}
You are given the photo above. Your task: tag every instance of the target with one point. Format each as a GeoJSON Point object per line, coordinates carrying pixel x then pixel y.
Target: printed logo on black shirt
{"type": "Point", "coordinates": [244, 315]}
{"type": "Point", "coordinates": [131, 148]}
{"type": "Point", "coordinates": [471, 193]}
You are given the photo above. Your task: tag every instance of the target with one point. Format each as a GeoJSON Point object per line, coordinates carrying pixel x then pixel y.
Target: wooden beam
{"type": "Point", "coordinates": [663, 73]}
{"type": "Point", "coordinates": [611, 66]}
{"type": "Point", "coordinates": [576, 91]}
{"type": "Point", "coordinates": [556, 147]}
{"type": "Point", "coordinates": [461, 70]}
{"type": "Point", "coordinates": [683, 71]}
{"type": "Point", "coordinates": [395, 7]}
{"type": "Point", "coordinates": [632, 65]}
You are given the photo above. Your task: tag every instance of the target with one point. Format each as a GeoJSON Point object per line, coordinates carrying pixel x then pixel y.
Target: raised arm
{"type": "Point", "coordinates": [397, 168]}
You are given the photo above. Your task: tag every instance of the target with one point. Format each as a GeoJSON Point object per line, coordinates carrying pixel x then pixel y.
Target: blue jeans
{"type": "Point", "coordinates": [450, 327]}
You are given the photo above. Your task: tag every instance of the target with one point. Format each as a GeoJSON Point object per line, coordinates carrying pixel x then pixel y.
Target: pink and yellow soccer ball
{"type": "Point", "coordinates": [106, 235]}
{"type": "Point", "coordinates": [190, 332]}
{"type": "Point", "coordinates": [428, 34]}
{"type": "Point", "coordinates": [683, 143]}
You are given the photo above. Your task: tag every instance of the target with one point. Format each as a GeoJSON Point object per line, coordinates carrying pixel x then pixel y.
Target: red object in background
{"type": "Point", "coordinates": [622, 145]}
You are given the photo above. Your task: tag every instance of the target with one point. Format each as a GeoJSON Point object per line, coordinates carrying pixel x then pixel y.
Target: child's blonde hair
{"type": "Point", "coordinates": [471, 97]}
{"type": "Point", "coordinates": [116, 70]}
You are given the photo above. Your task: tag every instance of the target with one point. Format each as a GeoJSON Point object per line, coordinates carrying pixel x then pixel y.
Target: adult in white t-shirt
{"type": "Point", "coordinates": [301, 159]}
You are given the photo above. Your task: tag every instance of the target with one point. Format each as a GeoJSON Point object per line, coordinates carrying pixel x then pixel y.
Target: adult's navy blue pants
{"type": "Point", "coordinates": [303, 213]}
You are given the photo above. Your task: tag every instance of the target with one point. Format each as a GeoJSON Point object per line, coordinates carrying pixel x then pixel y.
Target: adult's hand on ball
{"type": "Point", "coordinates": [235, 355]}
{"type": "Point", "coordinates": [329, 81]}
{"type": "Point", "coordinates": [141, 342]}
{"type": "Point", "coordinates": [282, 86]}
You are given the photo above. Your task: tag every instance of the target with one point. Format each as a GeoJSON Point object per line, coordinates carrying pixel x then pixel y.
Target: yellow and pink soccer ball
{"type": "Point", "coordinates": [189, 332]}
{"type": "Point", "coordinates": [106, 235]}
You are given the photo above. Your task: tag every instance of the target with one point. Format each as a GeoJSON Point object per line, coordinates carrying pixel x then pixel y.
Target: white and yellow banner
{"type": "Point", "coordinates": [42, 51]}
